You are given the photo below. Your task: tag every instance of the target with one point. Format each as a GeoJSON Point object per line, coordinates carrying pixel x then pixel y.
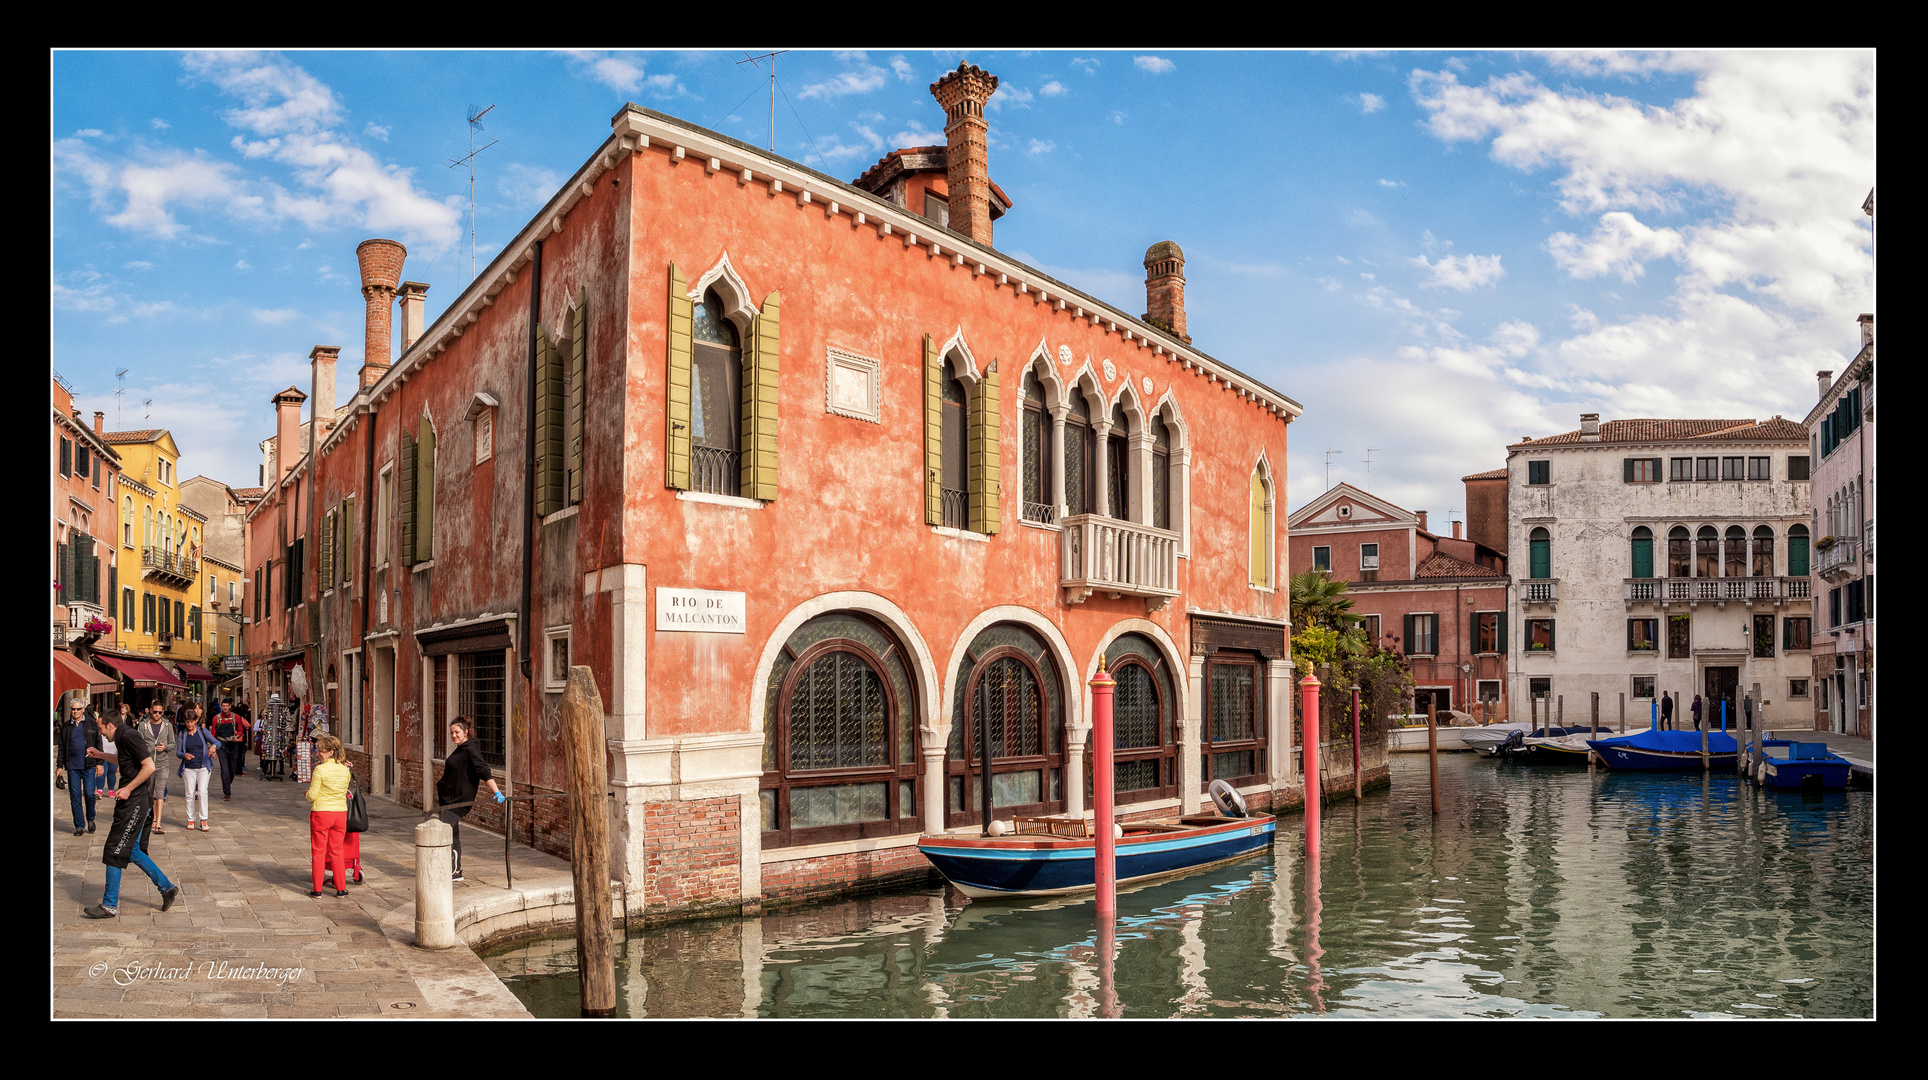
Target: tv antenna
{"type": "Point", "coordinates": [120, 389]}
{"type": "Point", "coordinates": [148, 409]}
{"type": "Point", "coordinates": [1328, 467]}
{"type": "Point", "coordinates": [476, 113]}
{"type": "Point", "coordinates": [1371, 450]}
{"type": "Point", "coordinates": [772, 58]}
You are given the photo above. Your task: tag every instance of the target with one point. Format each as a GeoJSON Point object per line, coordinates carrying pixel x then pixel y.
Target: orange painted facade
{"type": "Point", "coordinates": [844, 277]}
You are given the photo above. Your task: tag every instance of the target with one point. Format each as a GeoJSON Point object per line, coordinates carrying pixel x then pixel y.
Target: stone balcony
{"type": "Point", "coordinates": [1838, 561]}
{"type": "Point", "coordinates": [1691, 592]}
{"type": "Point", "coordinates": [1540, 591]}
{"type": "Point", "coordinates": [1119, 558]}
{"type": "Point", "coordinates": [171, 566]}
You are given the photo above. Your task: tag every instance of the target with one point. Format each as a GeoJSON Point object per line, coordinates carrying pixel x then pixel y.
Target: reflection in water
{"type": "Point", "coordinates": [1535, 892]}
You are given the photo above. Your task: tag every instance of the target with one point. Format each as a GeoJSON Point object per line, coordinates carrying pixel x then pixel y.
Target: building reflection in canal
{"type": "Point", "coordinates": [1538, 893]}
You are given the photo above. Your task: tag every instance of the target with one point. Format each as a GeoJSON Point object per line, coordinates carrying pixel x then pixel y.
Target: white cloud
{"type": "Point", "coordinates": [1383, 182]}
{"type": "Point", "coordinates": [376, 131]}
{"type": "Point", "coordinates": [1620, 244]}
{"type": "Point", "coordinates": [138, 264]}
{"type": "Point", "coordinates": [1371, 103]}
{"type": "Point", "coordinates": [88, 133]}
{"type": "Point", "coordinates": [1054, 88]}
{"type": "Point", "coordinates": [158, 124]}
{"type": "Point", "coordinates": [1087, 64]}
{"type": "Point", "coordinates": [1157, 65]}
{"type": "Point", "coordinates": [1460, 272]}
{"type": "Point", "coordinates": [243, 265]}
{"type": "Point", "coordinates": [1042, 146]}
{"type": "Point", "coordinates": [859, 76]}
{"type": "Point", "coordinates": [147, 192]}
{"type": "Point", "coordinates": [1118, 116]}
{"type": "Point", "coordinates": [903, 69]}
{"type": "Point", "coordinates": [274, 316]}
{"type": "Point", "coordinates": [529, 185]}
{"type": "Point", "coordinates": [1016, 97]}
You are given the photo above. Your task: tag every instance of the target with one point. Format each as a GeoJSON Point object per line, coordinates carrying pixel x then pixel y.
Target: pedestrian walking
{"type": "Point", "coordinates": [462, 772]}
{"type": "Point", "coordinates": [109, 776]}
{"type": "Point", "coordinates": [133, 811]}
{"type": "Point", "coordinates": [158, 733]}
{"type": "Point", "coordinates": [74, 734]}
{"type": "Point", "coordinates": [1666, 712]}
{"type": "Point", "coordinates": [228, 732]}
{"type": "Point", "coordinates": [1696, 711]}
{"type": "Point", "coordinates": [197, 749]}
{"type": "Point", "coordinates": [328, 815]}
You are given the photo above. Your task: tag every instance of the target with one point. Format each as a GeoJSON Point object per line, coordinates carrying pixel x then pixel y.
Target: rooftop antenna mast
{"type": "Point", "coordinates": [772, 58]}
{"type": "Point", "coordinates": [120, 389]}
{"type": "Point", "coordinates": [476, 113]}
{"type": "Point", "coordinates": [1371, 450]}
{"type": "Point", "coordinates": [148, 409]}
{"type": "Point", "coordinates": [1328, 467]}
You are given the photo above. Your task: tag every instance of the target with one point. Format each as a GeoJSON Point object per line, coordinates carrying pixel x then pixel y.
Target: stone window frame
{"type": "Point", "coordinates": [553, 681]}
{"type": "Point", "coordinates": [839, 360]}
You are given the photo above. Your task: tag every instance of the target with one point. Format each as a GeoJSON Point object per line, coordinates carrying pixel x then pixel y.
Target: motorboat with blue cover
{"type": "Point", "coordinates": [1654, 749]}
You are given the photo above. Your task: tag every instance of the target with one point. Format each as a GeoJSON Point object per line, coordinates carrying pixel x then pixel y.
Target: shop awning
{"type": "Point", "coordinates": [197, 673]}
{"type": "Point", "coordinates": [70, 675]}
{"type": "Point", "coordinates": [143, 672]}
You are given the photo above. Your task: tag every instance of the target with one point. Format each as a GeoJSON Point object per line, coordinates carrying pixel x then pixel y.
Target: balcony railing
{"type": "Point", "coordinates": [715, 470]}
{"type": "Point", "coordinates": [173, 564]}
{"type": "Point", "coordinates": [957, 509]}
{"type": "Point", "coordinates": [1540, 590]}
{"type": "Point", "coordinates": [1643, 590]}
{"type": "Point", "coordinates": [1836, 562]}
{"type": "Point", "coordinates": [1124, 558]}
{"type": "Point", "coordinates": [1694, 590]}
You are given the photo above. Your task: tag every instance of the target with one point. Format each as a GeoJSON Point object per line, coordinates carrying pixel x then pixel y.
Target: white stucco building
{"type": "Point", "coordinates": [1842, 424]}
{"type": "Point", "coordinates": [1662, 557]}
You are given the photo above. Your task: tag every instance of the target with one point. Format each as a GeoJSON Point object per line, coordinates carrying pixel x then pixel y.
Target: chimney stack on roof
{"type": "Point", "coordinates": [1826, 379]}
{"type": "Point", "coordinates": [1867, 328]}
{"type": "Point", "coordinates": [1456, 528]}
{"type": "Point", "coordinates": [100, 422]}
{"type": "Point", "coordinates": [1421, 515]}
{"type": "Point", "coordinates": [321, 408]}
{"type": "Point", "coordinates": [1165, 289]}
{"type": "Point", "coordinates": [413, 296]}
{"type": "Point", "coordinates": [381, 271]}
{"type": "Point", "coordinates": [1589, 427]}
{"type": "Point", "coordinates": [962, 94]}
{"type": "Point", "coordinates": [287, 430]}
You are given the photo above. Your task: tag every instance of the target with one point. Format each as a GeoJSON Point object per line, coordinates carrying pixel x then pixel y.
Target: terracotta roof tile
{"type": "Point", "coordinates": [141, 436]}
{"type": "Point", "coordinates": [250, 493]}
{"type": "Point", "coordinates": [1645, 431]}
{"type": "Point", "coordinates": [1441, 565]}
{"type": "Point", "coordinates": [1490, 474]}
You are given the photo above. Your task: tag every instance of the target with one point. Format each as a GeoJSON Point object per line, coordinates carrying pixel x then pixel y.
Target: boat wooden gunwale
{"type": "Point", "coordinates": [1044, 862]}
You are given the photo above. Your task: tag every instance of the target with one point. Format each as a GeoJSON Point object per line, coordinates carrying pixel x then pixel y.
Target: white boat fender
{"type": "Point", "coordinates": [998, 828]}
{"type": "Point", "coordinates": [1227, 797]}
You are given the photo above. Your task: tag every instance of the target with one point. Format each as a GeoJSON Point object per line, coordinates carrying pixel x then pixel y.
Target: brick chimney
{"type": "Point", "coordinates": [287, 430]}
{"type": "Point", "coordinates": [1589, 427]}
{"type": "Point", "coordinates": [321, 409]}
{"type": "Point", "coordinates": [1867, 330]}
{"type": "Point", "coordinates": [962, 94]}
{"type": "Point", "coordinates": [100, 422]}
{"type": "Point", "coordinates": [381, 271]}
{"type": "Point", "coordinates": [412, 297]}
{"type": "Point", "coordinates": [1826, 379]}
{"type": "Point", "coordinates": [1421, 515]}
{"type": "Point", "coordinates": [1165, 289]}
{"type": "Point", "coordinates": [1456, 528]}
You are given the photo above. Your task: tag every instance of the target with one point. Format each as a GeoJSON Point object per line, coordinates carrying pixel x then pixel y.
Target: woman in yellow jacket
{"type": "Point", "coordinates": [328, 814]}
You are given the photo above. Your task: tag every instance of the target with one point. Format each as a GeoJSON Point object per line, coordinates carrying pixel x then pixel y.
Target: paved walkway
{"type": "Point", "coordinates": [246, 940]}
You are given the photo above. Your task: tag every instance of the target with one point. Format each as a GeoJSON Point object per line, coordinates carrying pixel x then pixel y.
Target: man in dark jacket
{"type": "Point", "coordinates": [74, 733]}
{"type": "Point", "coordinates": [133, 813]}
{"type": "Point", "coordinates": [462, 772]}
{"type": "Point", "coordinates": [1666, 712]}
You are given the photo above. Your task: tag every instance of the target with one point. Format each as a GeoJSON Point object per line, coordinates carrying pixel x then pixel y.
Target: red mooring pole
{"type": "Point", "coordinates": [1309, 737]}
{"type": "Point", "coordinates": [1102, 780]}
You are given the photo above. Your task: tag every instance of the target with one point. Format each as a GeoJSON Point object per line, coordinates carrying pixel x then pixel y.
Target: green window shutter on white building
{"type": "Point", "coordinates": [933, 433]}
{"type": "Point", "coordinates": [757, 467]}
{"type": "Point", "coordinates": [676, 382]}
{"type": "Point", "coordinates": [986, 460]}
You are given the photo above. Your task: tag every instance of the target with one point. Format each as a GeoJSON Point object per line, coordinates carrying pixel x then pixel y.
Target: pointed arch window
{"type": "Point", "coordinates": [1260, 540]}
{"type": "Point", "coordinates": [716, 394]}
{"type": "Point", "coordinates": [1077, 456]}
{"type": "Point", "coordinates": [722, 392]}
{"type": "Point", "coordinates": [1161, 469]}
{"type": "Point", "coordinates": [1009, 698]}
{"type": "Point", "coordinates": [1144, 732]}
{"type": "Point", "coordinates": [1118, 466]}
{"type": "Point", "coordinates": [962, 462]}
{"type": "Point", "coordinates": [1039, 504]}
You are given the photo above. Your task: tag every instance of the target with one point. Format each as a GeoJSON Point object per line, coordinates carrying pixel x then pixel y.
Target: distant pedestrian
{"type": "Point", "coordinates": [159, 736]}
{"type": "Point", "coordinates": [462, 772]}
{"type": "Point", "coordinates": [228, 731]}
{"type": "Point", "coordinates": [328, 815]}
{"type": "Point", "coordinates": [133, 812]}
{"type": "Point", "coordinates": [1747, 711]}
{"type": "Point", "coordinates": [74, 734]}
{"type": "Point", "coordinates": [197, 749]}
{"type": "Point", "coordinates": [1666, 712]}
{"type": "Point", "coordinates": [1695, 708]}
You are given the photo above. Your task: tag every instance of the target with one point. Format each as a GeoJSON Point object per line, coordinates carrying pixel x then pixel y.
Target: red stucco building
{"type": "Point", "coordinates": [813, 482]}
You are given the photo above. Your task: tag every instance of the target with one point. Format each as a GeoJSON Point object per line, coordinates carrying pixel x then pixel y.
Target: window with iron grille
{"type": "Point", "coordinates": [1679, 644]}
{"type": "Point", "coordinates": [1008, 688]}
{"type": "Point", "coordinates": [956, 482]}
{"type": "Point", "coordinates": [716, 393]}
{"type": "Point", "coordinates": [1161, 468]}
{"type": "Point", "coordinates": [440, 713]}
{"type": "Point", "coordinates": [1643, 687]}
{"type": "Point", "coordinates": [1077, 455]}
{"type": "Point", "coordinates": [839, 752]}
{"type": "Point", "coordinates": [1145, 733]}
{"type": "Point", "coordinates": [1233, 726]}
{"type": "Point", "coordinates": [1038, 505]}
{"type": "Point", "coordinates": [1118, 466]}
{"type": "Point", "coordinates": [480, 695]}
{"type": "Point", "coordinates": [1763, 637]}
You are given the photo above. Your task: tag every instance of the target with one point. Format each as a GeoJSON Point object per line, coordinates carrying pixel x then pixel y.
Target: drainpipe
{"type": "Point", "coordinates": [529, 467]}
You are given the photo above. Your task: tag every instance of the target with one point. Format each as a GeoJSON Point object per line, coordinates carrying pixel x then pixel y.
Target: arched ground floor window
{"type": "Point", "coordinates": [1009, 700]}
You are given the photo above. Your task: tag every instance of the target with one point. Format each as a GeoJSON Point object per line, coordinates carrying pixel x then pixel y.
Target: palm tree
{"type": "Point", "coordinates": [1318, 599]}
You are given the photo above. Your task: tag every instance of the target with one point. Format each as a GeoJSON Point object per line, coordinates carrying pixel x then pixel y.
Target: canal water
{"type": "Point", "coordinates": [1537, 891]}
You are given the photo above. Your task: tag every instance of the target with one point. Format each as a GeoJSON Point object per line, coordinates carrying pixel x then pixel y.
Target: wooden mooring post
{"type": "Point", "coordinates": [1623, 712]}
{"type": "Point", "coordinates": [584, 747]}
{"type": "Point", "coordinates": [1355, 743]}
{"type": "Point", "coordinates": [1432, 749]}
{"type": "Point", "coordinates": [1595, 722]}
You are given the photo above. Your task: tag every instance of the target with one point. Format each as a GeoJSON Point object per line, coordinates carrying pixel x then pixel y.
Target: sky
{"type": "Point", "coordinates": [1435, 253]}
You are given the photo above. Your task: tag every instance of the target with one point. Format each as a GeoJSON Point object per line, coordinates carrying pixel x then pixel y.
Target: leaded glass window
{"type": "Point", "coordinates": [1233, 740]}
{"type": "Point", "coordinates": [1144, 731]}
{"type": "Point", "coordinates": [1009, 697]}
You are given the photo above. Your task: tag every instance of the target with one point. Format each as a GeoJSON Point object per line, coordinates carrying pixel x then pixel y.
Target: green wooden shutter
{"type": "Point", "coordinates": [933, 433]}
{"type": "Point", "coordinates": [578, 375]}
{"type": "Point", "coordinates": [1406, 640]}
{"type": "Point", "coordinates": [327, 551]}
{"type": "Point", "coordinates": [425, 493]}
{"type": "Point", "coordinates": [348, 539]}
{"type": "Point", "coordinates": [1541, 561]}
{"type": "Point", "coordinates": [676, 382]}
{"type": "Point", "coordinates": [1643, 558]}
{"type": "Point", "coordinates": [757, 467]}
{"type": "Point", "coordinates": [1626, 470]}
{"type": "Point", "coordinates": [549, 427]}
{"type": "Point", "coordinates": [408, 501]}
{"type": "Point", "coordinates": [113, 592]}
{"type": "Point", "coordinates": [986, 461]}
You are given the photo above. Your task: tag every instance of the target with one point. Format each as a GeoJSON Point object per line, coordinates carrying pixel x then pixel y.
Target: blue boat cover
{"type": "Point", "coordinates": [1676, 742]}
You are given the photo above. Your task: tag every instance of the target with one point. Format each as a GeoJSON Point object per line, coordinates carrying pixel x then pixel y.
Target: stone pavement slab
{"type": "Point", "coordinates": [245, 939]}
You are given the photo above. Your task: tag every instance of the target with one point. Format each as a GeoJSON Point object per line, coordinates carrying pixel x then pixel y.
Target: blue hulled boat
{"type": "Point", "coordinates": [1044, 863]}
{"type": "Point", "coordinates": [1797, 766]}
{"type": "Point", "coordinates": [1652, 749]}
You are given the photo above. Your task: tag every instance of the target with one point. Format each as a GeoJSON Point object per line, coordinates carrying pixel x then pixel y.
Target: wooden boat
{"type": "Point", "coordinates": [1652, 749]}
{"type": "Point", "coordinates": [1053, 856]}
{"type": "Point", "coordinates": [1800, 766]}
{"type": "Point", "coordinates": [1412, 740]}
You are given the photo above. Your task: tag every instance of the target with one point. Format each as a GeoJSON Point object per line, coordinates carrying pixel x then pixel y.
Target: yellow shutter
{"type": "Point", "coordinates": [578, 374]}
{"type": "Point", "coordinates": [1260, 552]}
{"type": "Point", "coordinates": [676, 382]}
{"type": "Point", "coordinates": [933, 433]}
{"type": "Point", "coordinates": [985, 459]}
{"type": "Point", "coordinates": [757, 471]}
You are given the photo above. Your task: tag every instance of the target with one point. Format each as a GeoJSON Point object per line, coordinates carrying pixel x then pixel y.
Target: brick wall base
{"type": "Point", "coordinates": [786, 883]}
{"type": "Point", "coordinates": [693, 858]}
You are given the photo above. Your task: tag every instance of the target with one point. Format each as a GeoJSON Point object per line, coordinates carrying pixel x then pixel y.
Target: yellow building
{"type": "Point", "coordinates": [160, 577]}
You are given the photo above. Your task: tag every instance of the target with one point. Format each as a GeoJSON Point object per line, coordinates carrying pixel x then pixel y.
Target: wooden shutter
{"type": "Point", "coordinates": [66, 456]}
{"type": "Point", "coordinates": [933, 433]}
{"type": "Point", "coordinates": [1643, 558]}
{"type": "Point", "coordinates": [408, 500]}
{"type": "Point", "coordinates": [986, 461]}
{"type": "Point", "coordinates": [348, 540]}
{"type": "Point", "coordinates": [681, 326]}
{"type": "Point", "coordinates": [757, 467]}
{"type": "Point", "coordinates": [113, 592]}
{"type": "Point", "coordinates": [578, 375]}
{"type": "Point", "coordinates": [327, 551]}
{"type": "Point", "coordinates": [1501, 617]}
{"type": "Point", "coordinates": [549, 426]}
{"type": "Point", "coordinates": [425, 493]}
{"type": "Point", "coordinates": [1626, 470]}
{"type": "Point", "coordinates": [1406, 641]}
{"type": "Point", "coordinates": [64, 570]}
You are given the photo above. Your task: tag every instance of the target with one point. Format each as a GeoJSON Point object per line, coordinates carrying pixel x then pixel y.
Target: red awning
{"type": "Point", "coordinates": [70, 675]}
{"type": "Point", "coordinates": [143, 672]}
{"type": "Point", "coordinates": [197, 673]}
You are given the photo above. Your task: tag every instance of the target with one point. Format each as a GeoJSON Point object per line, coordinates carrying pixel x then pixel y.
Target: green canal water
{"type": "Point", "coordinates": [1535, 892]}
